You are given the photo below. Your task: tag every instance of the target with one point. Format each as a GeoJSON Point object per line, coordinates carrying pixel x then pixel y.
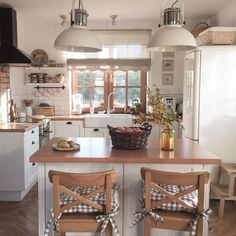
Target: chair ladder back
{"type": "Point", "coordinates": [108, 190]}
{"type": "Point", "coordinates": [60, 181]}
{"type": "Point", "coordinates": [147, 190]}
{"type": "Point", "coordinates": [83, 179]}
{"type": "Point", "coordinates": [78, 199]}
{"type": "Point", "coordinates": [169, 197]}
{"type": "Point", "coordinates": [200, 208]}
{"type": "Point", "coordinates": [56, 195]}
{"type": "Point", "coordinates": [201, 193]}
{"type": "Point", "coordinates": [173, 178]}
{"type": "Point", "coordinates": [153, 178]}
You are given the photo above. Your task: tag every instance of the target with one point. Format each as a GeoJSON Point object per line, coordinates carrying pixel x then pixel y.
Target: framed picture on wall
{"type": "Point", "coordinates": [167, 79]}
{"type": "Point", "coordinates": [167, 65]}
{"type": "Point", "coordinates": [167, 54]}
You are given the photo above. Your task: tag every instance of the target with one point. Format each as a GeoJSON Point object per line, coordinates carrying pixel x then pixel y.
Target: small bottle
{"type": "Point", "coordinates": [12, 111]}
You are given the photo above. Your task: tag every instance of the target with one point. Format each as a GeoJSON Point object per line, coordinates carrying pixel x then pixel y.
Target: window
{"type": "Point", "coordinates": [94, 86]}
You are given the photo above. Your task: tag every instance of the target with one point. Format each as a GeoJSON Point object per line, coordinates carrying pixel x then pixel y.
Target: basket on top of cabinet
{"type": "Point", "coordinates": [217, 36]}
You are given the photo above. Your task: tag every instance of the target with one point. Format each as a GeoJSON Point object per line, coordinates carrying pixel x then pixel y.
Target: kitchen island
{"type": "Point", "coordinates": [97, 154]}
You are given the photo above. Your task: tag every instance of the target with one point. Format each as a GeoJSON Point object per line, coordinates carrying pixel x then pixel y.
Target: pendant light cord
{"type": "Point", "coordinates": [73, 9]}
{"type": "Point", "coordinates": [174, 3]}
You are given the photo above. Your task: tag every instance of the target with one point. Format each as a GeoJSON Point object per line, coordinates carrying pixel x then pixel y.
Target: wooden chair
{"type": "Point", "coordinates": [76, 221]}
{"type": "Point", "coordinates": [225, 191]}
{"type": "Point", "coordinates": [173, 220]}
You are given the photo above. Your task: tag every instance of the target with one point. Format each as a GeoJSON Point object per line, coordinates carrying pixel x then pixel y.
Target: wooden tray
{"type": "Point", "coordinates": [46, 111]}
{"type": "Point", "coordinates": [74, 148]}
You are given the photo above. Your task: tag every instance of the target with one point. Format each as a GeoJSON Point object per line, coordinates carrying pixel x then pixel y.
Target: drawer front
{"type": "Point", "coordinates": [68, 128]}
{"type": "Point", "coordinates": [31, 141]}
{"type": "Point", "coordinates": [96, 132]}
{"type": "Point", "coordinates": [32, 134]}
{"type": "Point", "coordinates": [31, 146]}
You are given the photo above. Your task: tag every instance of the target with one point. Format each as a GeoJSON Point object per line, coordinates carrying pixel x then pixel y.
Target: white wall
{"type": "Point", "coordinates": [41, 35]}
{"type": "Point", "coordinates": [226, 17]}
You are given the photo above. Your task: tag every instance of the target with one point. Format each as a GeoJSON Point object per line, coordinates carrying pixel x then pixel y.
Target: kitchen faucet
{"type": "Point", "coordinates": [108, 102]}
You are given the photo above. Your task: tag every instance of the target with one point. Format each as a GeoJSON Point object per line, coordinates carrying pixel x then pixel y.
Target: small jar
{"type": "Point", "coordinates": [167, 139]}
{"type": "Point", "coordinates": [33, 78]}
{"type": "Point", "coordinates": [28, 110]}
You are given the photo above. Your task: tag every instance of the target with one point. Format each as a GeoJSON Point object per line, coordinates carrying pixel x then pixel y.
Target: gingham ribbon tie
{"type": "Point", "coordinates": [105, 219]}
{"type": "Point", "coordinates": [53, 221]}
{"type": "Point", "coordinates": [139, 216]}
{"type": "Point", "coordinates": [202, 215]}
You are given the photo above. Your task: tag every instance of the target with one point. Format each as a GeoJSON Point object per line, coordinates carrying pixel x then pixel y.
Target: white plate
{"type": "Point", "coordinates": [74, 148]}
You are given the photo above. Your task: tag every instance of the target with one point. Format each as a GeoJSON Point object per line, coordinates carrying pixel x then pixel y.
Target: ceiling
{"type": "Point", "coordinates": [101, 10]}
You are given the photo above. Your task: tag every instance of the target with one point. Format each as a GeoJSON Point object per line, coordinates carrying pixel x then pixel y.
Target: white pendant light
{"type": "Point", "coordinates": [172, 36]}
{"type": "Point", "coordinates": [78, 38]}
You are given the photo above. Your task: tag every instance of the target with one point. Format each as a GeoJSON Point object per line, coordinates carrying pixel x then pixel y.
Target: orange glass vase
{"type": "Point", "coordinates": [167, 139]}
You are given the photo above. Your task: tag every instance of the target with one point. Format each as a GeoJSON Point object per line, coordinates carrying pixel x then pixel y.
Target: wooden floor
{"type": "Point", "coordinates": [20, 218]}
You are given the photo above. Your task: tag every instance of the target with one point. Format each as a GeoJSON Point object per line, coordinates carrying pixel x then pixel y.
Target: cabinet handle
{"type": "Point", "coordinates": [95, 130]}
{"type": "Point", "coordinates": [33, 142]}
{"type": "Point", "coordinates": [32, 132]}
{"type": "Point", "coordinates": [33, 164]}
{"type": "Point", "coordinates": [69, 123]}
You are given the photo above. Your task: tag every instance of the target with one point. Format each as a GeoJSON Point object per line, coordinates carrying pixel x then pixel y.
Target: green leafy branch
{"type": "Point", "coordinates": [160, 114]}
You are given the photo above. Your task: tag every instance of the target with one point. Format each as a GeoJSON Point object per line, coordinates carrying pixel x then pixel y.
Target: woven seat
{"type": "Point", "coordinates": [84, 202]}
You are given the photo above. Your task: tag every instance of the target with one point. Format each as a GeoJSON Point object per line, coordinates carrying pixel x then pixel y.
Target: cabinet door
{"type": "Point", "coordinates": [31, 145]}
{"type": "Point", "coordinates": [96, 132]}
{"type": "Point", "coordinates": [67, 128]}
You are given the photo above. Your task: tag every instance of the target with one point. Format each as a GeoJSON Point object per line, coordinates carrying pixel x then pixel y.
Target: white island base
{"type": "Point", "coordinates": [130, 192]}
{"type": "Point", "coordinates": [97, 154]}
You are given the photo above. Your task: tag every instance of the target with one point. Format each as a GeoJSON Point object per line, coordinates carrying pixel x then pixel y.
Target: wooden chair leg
{"type": "Point", "coordinates": [199, 231]}
{"type": "Point", "coordinates": [147, 227]}
{"type": "Point", "coordinates": [221, 207]}
{"type": "Point", "coordinates": [59, 234]}
{"type": "Point", "coordinates": [108, 230]}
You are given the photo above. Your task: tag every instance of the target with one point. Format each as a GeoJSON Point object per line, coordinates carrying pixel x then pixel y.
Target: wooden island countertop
{"type": "Point", "coordinates": [99, 150]}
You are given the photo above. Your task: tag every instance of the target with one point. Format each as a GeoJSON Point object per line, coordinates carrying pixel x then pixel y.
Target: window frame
{"type": "Point", "coordinates": [109, 87]}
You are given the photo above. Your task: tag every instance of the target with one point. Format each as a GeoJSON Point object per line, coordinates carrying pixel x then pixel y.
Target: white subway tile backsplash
{"type": "Point", "coordinates": [59, 98]}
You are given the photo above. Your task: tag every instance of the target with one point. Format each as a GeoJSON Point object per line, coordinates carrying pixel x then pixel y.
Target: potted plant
{"type": "Point", "coordinates": [60, 78]}
{"type": "Point", "coordinates": [160, 115]}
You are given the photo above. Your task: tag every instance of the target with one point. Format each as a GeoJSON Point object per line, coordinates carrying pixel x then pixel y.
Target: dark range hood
{"type": "Point", "coordinates": [9, 53]}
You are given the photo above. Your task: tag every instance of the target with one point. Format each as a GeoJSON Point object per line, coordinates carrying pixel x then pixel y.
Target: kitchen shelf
{"type": "Point", "coordinates": [48, 66]}
{"type": "Point", "coordinates": [46, 85]}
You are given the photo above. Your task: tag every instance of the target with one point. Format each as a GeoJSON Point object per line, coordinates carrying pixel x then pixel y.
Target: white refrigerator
{"type": "Point", "coordinates": [209, 99]}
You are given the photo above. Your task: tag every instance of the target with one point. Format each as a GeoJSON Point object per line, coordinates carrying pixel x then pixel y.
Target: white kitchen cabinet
{"type": "Point", "coordinates": [68, 128]}
{"type": "Point", "coordinates": [17, 174]}
{"type": "Point", "coordinates": [96, 132]}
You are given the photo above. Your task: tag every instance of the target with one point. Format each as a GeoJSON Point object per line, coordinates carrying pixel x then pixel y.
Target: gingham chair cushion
{"type": "Point", "coordinates": [190, 198]}
{"type": "Point", "coordinates": [99, 198]}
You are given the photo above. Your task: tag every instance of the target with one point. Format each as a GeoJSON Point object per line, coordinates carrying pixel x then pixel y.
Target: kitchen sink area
{"type": "Point", "coordinates": [102, 120]}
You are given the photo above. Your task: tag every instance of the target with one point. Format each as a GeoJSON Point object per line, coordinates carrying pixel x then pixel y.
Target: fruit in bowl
{"type": "Point", "coordinates": [128, 130]}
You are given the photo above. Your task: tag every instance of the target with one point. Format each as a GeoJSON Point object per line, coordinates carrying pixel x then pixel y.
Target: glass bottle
{"type": "Point", "coordinates": [12, 113]}
{"type": "Point", "coordinates": [167, 139]}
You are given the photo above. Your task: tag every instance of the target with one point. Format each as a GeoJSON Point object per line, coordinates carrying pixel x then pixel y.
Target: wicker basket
{"type": "Point", "coordinates": [130, 141]}
{"type": "Point", "coordinates": [200, 27]}
{"type": "Point", "coordinates": [217, 36]}
{"type": "Point", "coordinates": [47, 111]}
